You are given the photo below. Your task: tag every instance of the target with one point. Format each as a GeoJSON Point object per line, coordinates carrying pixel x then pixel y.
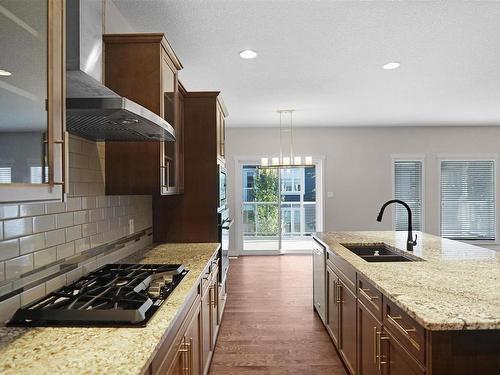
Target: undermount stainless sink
{"type": "Point", "coordinates": [379, 253]}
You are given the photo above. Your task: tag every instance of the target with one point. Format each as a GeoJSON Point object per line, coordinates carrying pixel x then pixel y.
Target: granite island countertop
{"type": "Point", "coordinates": [50, 350]}
{"type": "Point", "coordinates": [456, 287]}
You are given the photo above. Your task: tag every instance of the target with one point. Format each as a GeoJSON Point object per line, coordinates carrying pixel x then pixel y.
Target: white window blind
{"type": "Point", "coordinates": [468, 199]}
{"type": "Point", "coordinates": [408, 188]}
{"type": "Point", "coordinates": [5, 175]}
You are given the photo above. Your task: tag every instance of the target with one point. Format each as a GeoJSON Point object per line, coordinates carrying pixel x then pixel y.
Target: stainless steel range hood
{"type": "Point", "coordinates": [93, 111]}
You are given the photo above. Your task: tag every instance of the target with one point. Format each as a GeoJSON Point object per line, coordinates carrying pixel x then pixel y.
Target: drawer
{"type": "Point", "coordinates": [370, 296]}
{"type": "Point", "coordinates": [344, 270]}
{"type": "Point", "coordinates": [405, 329]}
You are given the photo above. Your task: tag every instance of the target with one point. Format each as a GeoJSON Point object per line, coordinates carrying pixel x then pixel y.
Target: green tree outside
{"type": "Point", "coordinates": [266, 190]}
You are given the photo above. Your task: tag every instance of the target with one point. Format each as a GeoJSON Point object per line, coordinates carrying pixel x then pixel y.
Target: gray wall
{"type": "Point", "coordinates": [358, 164]}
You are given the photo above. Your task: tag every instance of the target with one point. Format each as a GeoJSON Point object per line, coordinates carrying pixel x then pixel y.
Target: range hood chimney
{"type": "Point", "coordinates": [93, 111]}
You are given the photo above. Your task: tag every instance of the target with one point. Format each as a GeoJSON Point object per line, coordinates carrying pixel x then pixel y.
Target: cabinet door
{"type": "Point", "coordinates": [347, 342]}
{"type": "Point", "coordinates": [178, 364]}
{"type": "Point", "coordinates": [396, 360]}
{"type": "Point", "coordinates": [369, 330]}
{"type": "Point", "coordinates": [170, 150]}
{"type": "Point", "coordinates": [214, 302]}
{"type": "Point", "coordinates": [179, 145]}
{"type": "Point", "coordinates": [222, 294]}
{"type": "Point", "coordinates": [32, 100]}
{"type": "Point", "coordinates": [192, 339]}
{"type": "Point", "coordinates": [221, 134]}
{"type": "Point", "coordinates": [333, 316]}
{"type": "Point", "coordinates": [206, 325]}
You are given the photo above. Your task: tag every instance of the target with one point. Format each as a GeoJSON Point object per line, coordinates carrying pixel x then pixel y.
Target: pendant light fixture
{"type": "Point", "coordinates": [287, 158]}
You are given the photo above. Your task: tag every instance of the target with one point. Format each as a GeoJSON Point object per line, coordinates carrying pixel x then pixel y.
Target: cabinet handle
{"type": "Point", "coordinates": [378, 348]}
{"type": "Point", "coordinates": [184, 349]}
{"type": "Point", "coordinates": [339, 291]}
{"type": "Point", "coordinates": [190, 356]}
{"type": "Point", "coordinates": [213, 303]}
{"type": "Point", "coordinates": [335, 292]}
{"type": "Point", "coordinates": [404, 331]}
{"type": "Point", "coordinates": [364, 293]}
{"type": "Point", "coordinates": [165, 174]}
{"type": "Point", "coordinates": [375, 345]}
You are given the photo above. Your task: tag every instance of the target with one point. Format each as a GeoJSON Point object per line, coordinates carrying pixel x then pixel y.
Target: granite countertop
{"type": "Point", "coordinates": [456, 287]}
{"type": "Point", "coordinates": [49, 350]}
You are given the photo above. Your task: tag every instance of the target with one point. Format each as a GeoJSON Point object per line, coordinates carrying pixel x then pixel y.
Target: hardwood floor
{"type": "Point", "coordinates": [269, 325]}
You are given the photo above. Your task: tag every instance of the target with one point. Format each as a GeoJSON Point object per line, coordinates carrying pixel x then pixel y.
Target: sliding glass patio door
{"type": "Point", "coordinates": [278, 209]}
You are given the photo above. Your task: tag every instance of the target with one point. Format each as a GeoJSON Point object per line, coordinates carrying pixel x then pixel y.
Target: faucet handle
{"type": "Point", "coordinates": [414, 242]}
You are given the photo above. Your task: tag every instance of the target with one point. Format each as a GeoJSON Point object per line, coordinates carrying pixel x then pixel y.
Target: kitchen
{"type": "Point", "coordinates": [120, 210]}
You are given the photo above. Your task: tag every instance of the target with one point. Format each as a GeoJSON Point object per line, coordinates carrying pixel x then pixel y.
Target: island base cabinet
{"type": "Point", "coordinates": [369, 330]}
{"type": "Point", "coordinates": [395, 359]}
{"type": "Point", "coordinates": [332, 316]}
{"type": "Point", "coordinates": [347, 340]}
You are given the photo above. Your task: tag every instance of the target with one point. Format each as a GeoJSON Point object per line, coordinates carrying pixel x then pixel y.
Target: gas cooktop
{"type": "Point", "coordinates": [113, 295]}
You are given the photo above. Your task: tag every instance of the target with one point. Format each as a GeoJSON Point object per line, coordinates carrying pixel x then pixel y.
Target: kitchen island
{"type": "Point", "coordinates": [73, 350]}
{"type": "Point", "coordinates": [438, 313]}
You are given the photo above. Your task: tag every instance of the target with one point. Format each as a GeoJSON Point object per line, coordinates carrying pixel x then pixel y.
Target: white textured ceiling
{"type": "Point", "coordinates": [324, 58]}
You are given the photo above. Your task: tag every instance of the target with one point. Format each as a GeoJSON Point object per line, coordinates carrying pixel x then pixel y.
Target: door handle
{"type": "Point", "coordinates": [227, 226]}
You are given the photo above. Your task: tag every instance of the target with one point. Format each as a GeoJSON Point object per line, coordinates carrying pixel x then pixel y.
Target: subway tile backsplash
{"type": "Point", "coordinates": [45, 245]}
{"type": "Point", "coordinates": [86, 167]}
{"type": "Point", "coordinates": [17, 227]}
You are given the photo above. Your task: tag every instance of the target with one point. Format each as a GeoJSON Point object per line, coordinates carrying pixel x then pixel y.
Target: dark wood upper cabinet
{"type": "Point", "coordinates": [192, 216]}
{"type": "Point", "coordinates": [144, 68]}
{"type": "Point", "coordinates": [221, 132]}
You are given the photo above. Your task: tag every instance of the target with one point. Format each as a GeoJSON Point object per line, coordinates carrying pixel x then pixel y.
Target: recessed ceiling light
{"type": "Point", "coordinates": [248, 54]}
{"type": "Point", "coordinates": [5, 73]}
{"type": "Point", "coordinates": [392, 65]}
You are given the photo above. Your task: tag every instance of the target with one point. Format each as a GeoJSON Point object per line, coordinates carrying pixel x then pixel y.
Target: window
{"type": "Point", "coordinates": [36, 175]}
{"type": "Point", "coordinates": [5, 175]}
{"type": "Point", "coordinates": [408, 188]}
{"type": "Point", "coordinates": [291, 180]}
{"type": "Point", "coordinates": [468, 199]}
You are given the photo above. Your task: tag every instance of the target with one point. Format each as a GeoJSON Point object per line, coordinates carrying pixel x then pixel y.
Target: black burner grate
{"type": "Point", "coordinates": [113, 295]}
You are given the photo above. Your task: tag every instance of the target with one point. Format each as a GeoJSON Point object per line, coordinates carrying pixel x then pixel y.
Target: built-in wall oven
{"type": "Point", "coordinates": [222, 196]}
{"type": "Point", "coordinates": [225, 223]}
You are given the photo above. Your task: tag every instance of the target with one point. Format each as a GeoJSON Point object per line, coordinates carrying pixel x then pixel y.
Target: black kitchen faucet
{"type": "Point", "coordinates": [410, 242]}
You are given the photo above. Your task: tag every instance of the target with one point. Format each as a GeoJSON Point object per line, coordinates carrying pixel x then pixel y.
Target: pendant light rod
{"type": "Point", "coordinates": [286, 162]}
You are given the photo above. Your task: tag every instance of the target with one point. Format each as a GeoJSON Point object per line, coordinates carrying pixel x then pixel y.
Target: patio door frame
{"type": "Point", "coordinates": [239, 162]}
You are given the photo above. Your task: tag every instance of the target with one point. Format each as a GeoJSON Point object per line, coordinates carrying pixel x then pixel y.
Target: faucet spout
{"type": "Point", "coordinates": [410, 242]}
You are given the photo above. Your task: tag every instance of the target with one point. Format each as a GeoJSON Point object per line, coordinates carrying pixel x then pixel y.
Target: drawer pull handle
{"type": "Point", "coordinates": [375, 345]}
{"type": "Point", "coordinates": [366, 295]}
{"type": "Point", "coordinates": [404, 331]}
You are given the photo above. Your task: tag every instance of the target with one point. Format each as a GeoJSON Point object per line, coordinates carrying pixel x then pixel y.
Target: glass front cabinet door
{"type": "Point", "coordinates": [31, 100]}
{"type": "Point", "coordinates": [172, 153]}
